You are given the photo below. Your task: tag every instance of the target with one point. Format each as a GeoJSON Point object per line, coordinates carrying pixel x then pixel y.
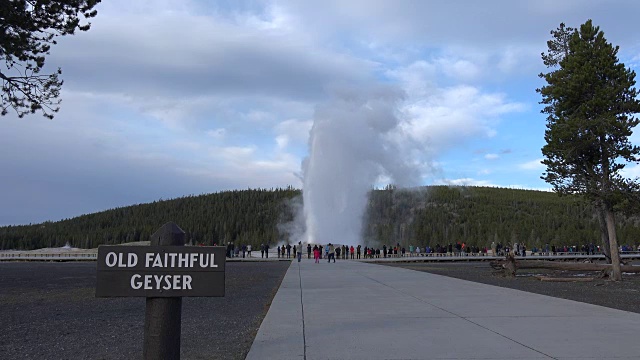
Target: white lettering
{"type": "Point", "coordinates": [149, 258]}
{"type": "Point", "coordinates": [173, 259]}
{"type": "Point", "coordinates": [186, 282]}
{"type": "Point", "coordinates": [157, 262]}
{"type": "Point", "coordinates": [111, 259]}
{"type": "Point", "coordinates": [183, 260]}
{"type": "Point", "coordinates": [135, 283]}
{"type": "Point", "coordinates": [212, 261]}
{"type": "Point", "coordinates": [204, 261]}
{"type": "Point", "coordinates": [194, 259]}
{"type": "Point", "coordinates": [133, 260]}
{"type": "Point", "coordinates": [161, 282]}
{"type": "Point", "coordinates": [121, 260]}
{"type": "Point", "coordinates": [147, 282]}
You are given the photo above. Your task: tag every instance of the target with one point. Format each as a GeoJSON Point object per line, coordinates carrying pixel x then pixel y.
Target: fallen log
{"type": "Point", "coordinates": [569, 266]}
{"type": "Point", "coordinates": [565, 279]}
{"type": "Point", "coordinates": [572, 266]}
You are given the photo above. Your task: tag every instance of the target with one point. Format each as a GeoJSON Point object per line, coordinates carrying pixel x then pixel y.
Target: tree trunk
{"type": "Point", "coordinates": [616, 274]}
{"type": "Point", "coordinates": [510, 265]}
{"type": "Point", "coordinates": [604, 234]}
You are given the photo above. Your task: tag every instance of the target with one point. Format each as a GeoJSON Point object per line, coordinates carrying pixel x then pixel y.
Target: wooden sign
{"type": "Point", "coordinates": [160, 271]}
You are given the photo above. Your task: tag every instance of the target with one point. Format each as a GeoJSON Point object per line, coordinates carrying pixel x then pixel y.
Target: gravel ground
{"type": "Point", "coordinates": [623, 295]}
{"type": "Point", "coordinates": [49, 311]}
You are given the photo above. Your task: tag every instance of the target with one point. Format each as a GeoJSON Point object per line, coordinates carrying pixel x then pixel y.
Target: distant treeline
{"type": "Point", "coordinates": [480, 215]}
{"type": "Point", "coordinates": [426, 216]}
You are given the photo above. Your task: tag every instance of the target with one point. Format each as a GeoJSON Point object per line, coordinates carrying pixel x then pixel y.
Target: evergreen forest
{"type": "Point", "coordinates": [424, 216]}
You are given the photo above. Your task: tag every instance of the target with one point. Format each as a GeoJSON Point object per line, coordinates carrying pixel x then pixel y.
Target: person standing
{"type": "Point", "coordinates": [244, 250]}
{"type": "Point", "coordinates": [316, 254]}
{"type": "Point", "coordinates": [299, 254]}
{"type": "Point", "coordinates": [358, 251]}
{"type": "Point", "coordinates": [352, 251]}
{"type": "Point", "coordinates": [249, 250]}
{"type": "Point", "coordinates": [278, 251]}
{"type": "Point", "coordinates": [288, 251]}
{"type": "Point", "coordinates": [262, 250]}
{"type": "Point", "coordinates": [266, 250]}
{"type": "Point", "coordinates": [308, 251]}
{"type": "Point", "coordinates": [332, 253]}
{"type": "Point", "coordinates": [295, 251]}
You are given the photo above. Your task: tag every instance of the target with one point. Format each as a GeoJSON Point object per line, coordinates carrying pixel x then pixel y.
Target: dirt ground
{"type": "Point", "coordinates": [49, 311]}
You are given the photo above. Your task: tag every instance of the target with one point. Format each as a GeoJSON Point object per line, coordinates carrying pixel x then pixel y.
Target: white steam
{"type": "Point", "coordinates": [355, 144]}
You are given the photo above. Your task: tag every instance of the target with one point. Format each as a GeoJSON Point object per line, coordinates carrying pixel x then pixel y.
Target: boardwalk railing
{"type": "Point", "coordinates": [28, 256]}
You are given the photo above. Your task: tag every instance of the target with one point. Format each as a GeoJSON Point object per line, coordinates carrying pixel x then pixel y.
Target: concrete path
{"type": "Point", "coordinates": [354, 310]}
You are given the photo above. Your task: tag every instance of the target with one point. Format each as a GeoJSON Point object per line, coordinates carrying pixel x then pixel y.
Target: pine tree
{"type": "Point", "coordinates": [590, 101]}
{"type": "Point", "coordinates": [27, 31]}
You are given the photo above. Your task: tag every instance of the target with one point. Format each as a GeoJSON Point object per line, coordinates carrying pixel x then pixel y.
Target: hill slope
{"type": "Point", "coordinates": [425, 216]}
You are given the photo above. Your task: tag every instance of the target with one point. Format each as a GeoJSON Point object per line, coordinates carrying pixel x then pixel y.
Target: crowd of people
{"type": "Point", "coordinates": [333, 252]}
{"type": "Point", "coordinates": [235, 250]}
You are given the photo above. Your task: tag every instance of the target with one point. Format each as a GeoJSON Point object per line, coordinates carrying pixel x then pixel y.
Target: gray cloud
{"type": "Point", "coordinates": [185, 55]}
{"type": "Point", "coordinates": [470, 23]}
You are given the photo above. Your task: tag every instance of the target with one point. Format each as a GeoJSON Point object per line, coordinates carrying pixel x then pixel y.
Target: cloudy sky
{"type": "Point", "coordinates": [171, 98]}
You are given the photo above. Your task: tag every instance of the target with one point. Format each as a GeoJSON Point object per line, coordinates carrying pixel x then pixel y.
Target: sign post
{"type": "Point", "coordinates": [163, 272]}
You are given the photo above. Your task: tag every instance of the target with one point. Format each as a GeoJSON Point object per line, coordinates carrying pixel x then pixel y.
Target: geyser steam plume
{"type": "Point", "coordinates": [354, 144]}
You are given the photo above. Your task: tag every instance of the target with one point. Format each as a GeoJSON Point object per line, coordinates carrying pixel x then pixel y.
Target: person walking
{"type": "Point", "coordinates": [249, 250]}
{"type": "Point", "coordinates": [295, 251]}
{"type": "Point", "coordinates": [332, 253]}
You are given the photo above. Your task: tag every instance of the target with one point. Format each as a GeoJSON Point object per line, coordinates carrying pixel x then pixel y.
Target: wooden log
{"type": "Point", "coordinates": [569, 266]}
{"type": "Point", "coordinates": [565, 279]}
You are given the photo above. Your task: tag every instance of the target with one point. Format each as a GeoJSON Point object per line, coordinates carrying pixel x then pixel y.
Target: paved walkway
{"type": "Point", "coordinates": [354, 310]}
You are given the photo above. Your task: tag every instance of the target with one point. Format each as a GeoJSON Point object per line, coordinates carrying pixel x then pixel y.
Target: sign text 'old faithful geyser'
{"type": "Point", "coordinates": [160, 271]}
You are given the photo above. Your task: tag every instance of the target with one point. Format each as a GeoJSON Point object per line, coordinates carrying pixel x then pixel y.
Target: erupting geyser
{"type": "Point", "coordinates": [354, 144]}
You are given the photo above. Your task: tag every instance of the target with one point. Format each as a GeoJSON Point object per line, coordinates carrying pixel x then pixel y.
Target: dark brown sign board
{"type": "Point", "coordinates": [160, 271]}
